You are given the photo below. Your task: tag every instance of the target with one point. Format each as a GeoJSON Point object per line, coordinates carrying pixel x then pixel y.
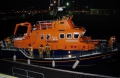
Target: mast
{"type": "Point", "coordinates": [58, 3]}
{"type": "Point", "coordinates": [56, 9]}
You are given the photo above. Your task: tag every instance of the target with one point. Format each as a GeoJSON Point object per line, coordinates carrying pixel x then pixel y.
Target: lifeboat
{"type": "Point", "coordinates": [62, 43]}
{"type": "Point", "coordinates": [58, 43]}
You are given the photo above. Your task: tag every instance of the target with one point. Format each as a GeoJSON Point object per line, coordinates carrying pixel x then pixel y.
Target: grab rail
{"type": "Point", "coordinates": [45, 24]}
{"type": "Point", "coordinates": [24, 51]}
{"type": "Point", "coordinates": [26, 73]}
{"type": "Point", "coordinates": [25, 54]}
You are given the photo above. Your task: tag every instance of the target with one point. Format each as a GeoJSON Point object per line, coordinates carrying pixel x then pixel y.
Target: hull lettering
{"type": "Point", "coordinates": [52, 41]}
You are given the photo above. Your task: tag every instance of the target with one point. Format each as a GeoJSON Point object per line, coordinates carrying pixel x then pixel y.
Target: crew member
{"type": "Point", "coordinates": [41, 50]}
{"type": "Point", "coordinates": [30, 49]}
{"type": "Point", "coordinates": [111, 42]}
{"type": "Point", "coordinates": [64, 17]}
{"type": "Point", "coordinates": [8, 40]}
{"type": "Point", "coordinates": [47, 49]}
{"type": "Point", "coordinates": [2, 44]}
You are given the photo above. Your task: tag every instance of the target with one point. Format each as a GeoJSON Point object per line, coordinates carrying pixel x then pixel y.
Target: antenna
{"type": "Point", "coordinates": [58, 3]}
{"type": "Point", "coordinates": [56, 9]}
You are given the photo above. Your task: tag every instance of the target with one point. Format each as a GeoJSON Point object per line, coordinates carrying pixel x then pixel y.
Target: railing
{"type": "Point", "coordinates": [6, 46]}
{"type": "Point", "coordinates": [17, 72]}
{"type": "Point", "coordinates": [45, 24]}
{"type": "Point", "coordinates": [44, 72]}
{"type": "Point", "coordinates": [12, 38]}
{"type": "Point", "coordinates": [25, 54]}
{"type": "Point", "coordinates": [45, 21]}
{"type": "Point", "coordinates": [24, 51]}
{"type": "Point", "coordinates": [52, 73]}
{"type": "Point", "coordinates": [16, 36]}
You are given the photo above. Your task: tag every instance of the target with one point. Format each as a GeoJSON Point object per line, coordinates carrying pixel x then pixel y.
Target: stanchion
{"type": "Point", "coordinates": [53, 62]}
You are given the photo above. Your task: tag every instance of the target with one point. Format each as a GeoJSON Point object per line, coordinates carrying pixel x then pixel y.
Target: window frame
{"type": "Point", "coordinates": [43, 37]}
{"type": "Point", "coordinates": [49, 35]}
{"type": "Point", "coordinates": [60, 34]}
{"type": "Point", "coordinates": [67, 37]}
{"type": "Point", "coordinates": [76, 33]}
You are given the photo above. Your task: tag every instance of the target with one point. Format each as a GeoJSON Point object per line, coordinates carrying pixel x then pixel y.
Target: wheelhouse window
{"type": "Point", "coordinates": [76, 35]}
{"type": "Point", "coordinates": [69, 36]}
{"type": "Point", "coordinates": [48, 36]}
{"type": "Point", "coordinates": [62, 36]}
{"type": "Point", "coordinates": [41, 36]}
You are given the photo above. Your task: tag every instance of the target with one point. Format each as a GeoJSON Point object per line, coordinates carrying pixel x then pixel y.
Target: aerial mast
{"type": "Point", "coordinates": [55, 8]}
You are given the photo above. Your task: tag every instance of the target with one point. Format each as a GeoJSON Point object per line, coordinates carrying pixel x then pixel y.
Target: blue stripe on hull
{"type": "Point", "coordinates": [57, 52]}
{"type": "Point", "coordinates": [88, 60]}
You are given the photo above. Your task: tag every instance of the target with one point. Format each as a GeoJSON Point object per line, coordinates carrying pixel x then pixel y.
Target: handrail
{"type": "Point", "coordinates": [24, 51]}
{"type": "Point", "coordinates": [45, 21]}
{"type": "Point", "coordinates": [117, 44]}
{"type": "Point", "coordinates": [25, 54]}
{"type": "Point", "coordinates": [12, 38]}
{"type": "Point", "coordinates": [45, 24]}
{"type": "Point", "coordinates": [16, 36]}
{"type": "Point", "coordinates": [21, 49]}
{"type": "Point", "coordinates": [26, 72]}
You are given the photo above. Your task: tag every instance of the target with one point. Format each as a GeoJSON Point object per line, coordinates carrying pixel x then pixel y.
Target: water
{"type": "Point", "coordinates": [109, 68]}
{"type": "Point", "coordinates": [96, 26]}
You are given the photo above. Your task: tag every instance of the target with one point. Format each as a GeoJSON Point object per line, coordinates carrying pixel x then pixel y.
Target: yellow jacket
{"type": "Point", "coordinates": [8, 40]}
{"type": "Point", "coordinates": [47, 49]}
{"type": "Point", "coordinates": [30, 48]}
{"type": "Point", "coordinates": [40, 49]}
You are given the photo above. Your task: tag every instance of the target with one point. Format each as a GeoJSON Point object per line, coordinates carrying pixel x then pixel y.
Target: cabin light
{"type": "Point", "coordinates": [69, 52]}
{"type": "Point", "coordinates": [69, 56]}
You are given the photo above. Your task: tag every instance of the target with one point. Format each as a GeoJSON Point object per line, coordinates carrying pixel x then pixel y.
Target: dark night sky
{"type": "Point", "coordinates": [8, 4]}
{"type": "Point", "coordinates": [43, 4]}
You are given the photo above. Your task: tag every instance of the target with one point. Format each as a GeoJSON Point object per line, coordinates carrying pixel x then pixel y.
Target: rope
{"type": "Point", "coordinates": [117, 44]}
